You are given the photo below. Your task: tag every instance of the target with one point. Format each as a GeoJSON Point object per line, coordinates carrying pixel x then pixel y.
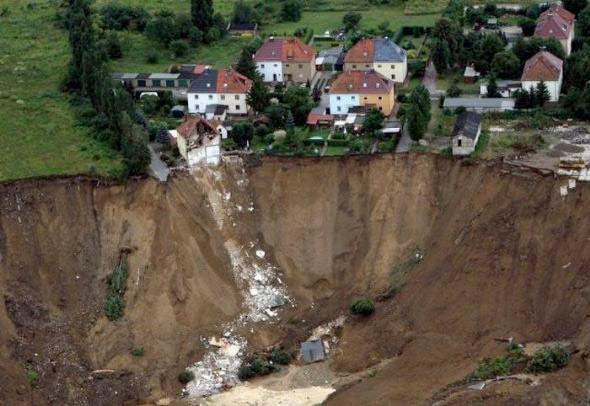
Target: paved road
{"type": "Point", "coordinates": [429, 81]}
{"type": "Point", "coordinates": [405, 142]}
{"type": "Point", "coordinates": [158, 168]}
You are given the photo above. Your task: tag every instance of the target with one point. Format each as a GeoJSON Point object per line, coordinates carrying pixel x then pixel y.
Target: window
{"type": "Point", "coordinates": [141, 83]}
{"type": "Point", "coordinates": [300, 66]}
{"type": "Point", "coordinates": [393, 76]}
{"type": "Point", "coordinates": [183, 83]}
{"type": "Point", "coordinates": [287, 65]}
{"type": "Point", "coordinates": [378, 66]}
{"type": "Point", "coordinates": [196, 97]}
{"type": "Point", "coordinates": [380, 98]}
{"type": "Point", "coordinates": [196, 107]}
{"type": "Point", "coordinates": [237, 106]}
{"type": "Point", "coordinates": [262, 65]}
{"type": "Point", "coordinates": [222, 97]}
{"type": "Point", "coordinates": [459, 142]}
{"type": "Point", "coordinates": [392, 66]}
{"type": "Point", "coordinates": [237, 97]}
{"type": "Point", "coordinates": [353, 66]}
{"type": "Point", "coordinates": [169, 83]}
{"type": "Point", "coordinates": [353, 97]}
{"type": "Point", "coordinates": [339, 108]}
{"type": "Point", "coordinates": [337, 97]}
{"type": "Point", "coordinates": [380, 108]}
{"type": "Point", "coordinates": [155, 83]}
{"type": "Point", "coordinates": [365, 98]}
{"type": "Point", "coordinates": [210, 97]}
{"type": "Point", "coordinates": [367, 66]}
{"type": "Point", "coordinates": [275, 65]}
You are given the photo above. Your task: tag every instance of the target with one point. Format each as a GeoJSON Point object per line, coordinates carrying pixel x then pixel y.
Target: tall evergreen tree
{"type": "Point", "coordinates": [258, 97]}
{"type": "Point", "coordinates": [441, 56]}
{"type": "Point", "coordinates": [542, 95]}
{"type": "Point", "coordinates": [246, 65]}
{"type": "Point", "coordinates": [202, 14]}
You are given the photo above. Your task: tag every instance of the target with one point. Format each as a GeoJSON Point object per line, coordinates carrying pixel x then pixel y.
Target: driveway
{"type": "Point", "coordinates": [158, 168]}
{"type": "Point", "coordinates": [405, 142]}
{"type": "Point", "coordinates": [429, 81]}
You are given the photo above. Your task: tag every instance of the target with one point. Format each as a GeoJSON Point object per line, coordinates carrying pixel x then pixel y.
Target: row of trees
{"type": "Point", "coordinates": [417, 112]}
{"type": "Point", "coordinates": [114, 117]}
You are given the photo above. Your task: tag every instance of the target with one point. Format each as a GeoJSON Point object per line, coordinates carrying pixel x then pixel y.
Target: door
{"type": "Point", "coordinates": [274, 77]}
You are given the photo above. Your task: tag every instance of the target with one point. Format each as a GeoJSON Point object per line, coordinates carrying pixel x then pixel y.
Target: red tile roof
{"type": "Point", "coordinates": [284, 50]}
{"type": "Point", "coordinates": [542, 66]}
{"type": "Point", "coordinates": [230, 81]}
{"type": "Point", "coordinates": [313, 118]}
{"type": "Point", "coordinates": [361, 52]}
{"type": "Point", "coordinates": [555, 22]}
{"type": "Point", "coordinates": [563, 13]}
{"type": "Point", "coordinates": [195, 125]}
{"type": "Point", "coordinates": [363, 82]}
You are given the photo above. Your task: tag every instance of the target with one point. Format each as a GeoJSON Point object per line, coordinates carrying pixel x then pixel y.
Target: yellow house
{"type": "Point", "coordinates": [379, 54]}
{"type": "Point", "coordinates": [361, 88]}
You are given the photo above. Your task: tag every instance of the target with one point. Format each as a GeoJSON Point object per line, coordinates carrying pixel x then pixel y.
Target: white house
{"type": "Point", "coordinates": [285, 60]}
{"type": "Point", "coordinates": [199, 141]}
{"type": "Point", "coordinates": [379, 54]}
{"type": "Point", "coordinates": [543, 67]}
{"type": "Point", "coordinates": [219, 87]}
{"type": "Point", "coordinates": [466, 133]}
{"type": "Point", "coordinates": [556, 22]}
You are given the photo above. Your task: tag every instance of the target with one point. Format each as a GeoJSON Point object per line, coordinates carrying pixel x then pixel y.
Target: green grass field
{"type": "Point", "coordinates": [38, 136]}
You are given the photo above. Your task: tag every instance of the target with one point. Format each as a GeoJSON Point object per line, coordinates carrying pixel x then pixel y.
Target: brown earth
{"type": "Point", "coordinates": [497, 248]}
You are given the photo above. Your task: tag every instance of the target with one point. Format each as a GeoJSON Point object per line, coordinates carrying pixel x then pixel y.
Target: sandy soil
{"type": "Point", "coordinates": [495, 239]}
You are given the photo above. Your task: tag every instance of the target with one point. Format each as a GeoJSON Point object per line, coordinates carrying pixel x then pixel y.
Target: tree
{"type": "Point", "coordinates": [289, 122]}
{"type": "Point", "coordinates": [450, 32]}
{"type": "Point", "coordinates": [575, 6]}
{"type": "Point", "coordinates": [113, 46]}
{"type": "Point", "coordinates": [583, 22]}
{"type": "Point", "coordinates": [577, 68]}
{"type": "Point", "coordinates": [291, 10]}
{"type": "Point", "coordinates": [492, 86]}
{"type": "Point", "coordinates": [526, 48]}
{"type": "Point", "coordinates": [299, 103]}
{"type": "Point", "coordinates": [506, 65]}
{"type": "Point", "coordinates": [277, 115]}
{"type": "Point", "coordinates": [242, 133]}
{"type": "Point", "coordinates": [522, 99]}
{"type": "Point", "coordinates": [441, 56]}
{"type": "Point", "coordinates": [163, 29]}
{"type": "Point", "coordinates": [454, 90]}
{"type": "Point", "coordinates": [528, 26]}
{"type": "Point", "coordinates": [179, 47]}
{"type": "Point", "coordinates": [243, 13]}
{"type": "Point", "coordinates": [373, 121]}
{"type": "Point", "coordinates": [418, 114]}
{"type": "Point", "coordinates": [258, 97]}
{"type": "Point", "coordinates": [489, 46]}
{"type": "Point", "coordinates": [542, 95]}
{"type": "Point", "coordinates": [202, 14]}
{"type": "Point", "coordinates": [351, 20]}
{"type": "Point", "coordinates": [246, 65]}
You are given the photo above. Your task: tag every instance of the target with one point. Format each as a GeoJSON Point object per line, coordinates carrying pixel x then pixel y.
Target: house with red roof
{"type": "Point", "coordinates": [379, 54]}
{"type": "Point", "coordinates": [285, 60]}
{"type": "Point", "coordinates": [198, 141]}
{"type": "Point", "coordinates": [357, 88]}
{"type": "Point", "coordinates": [556, 22]}
{"type": "Point", "coordinates": [219, 87]}
{"type": "Point", "coordinates": [543, 67]}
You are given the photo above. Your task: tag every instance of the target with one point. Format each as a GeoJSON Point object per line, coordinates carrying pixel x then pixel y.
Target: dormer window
{"type": "Point", "coordinates": [365, 84]}
{"type": "Point", "coordinates": [208, 84]}
{"type": "Point", "coordinates": [225, 85]}
{"type": "Point", "coordinates": [378, 85]}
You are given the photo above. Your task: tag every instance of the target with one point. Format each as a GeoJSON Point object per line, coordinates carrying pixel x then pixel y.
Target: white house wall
{"type": "Point", "coordinates": [340, 103]}
{"type": "Point", "coordinates": [269, 69]}
{"type": "Point", "coordinates": [395, 71]}
{"type": "Point", "coordinates": [554, 87]}
{"type": "Point", "coordinates": [198, 102]}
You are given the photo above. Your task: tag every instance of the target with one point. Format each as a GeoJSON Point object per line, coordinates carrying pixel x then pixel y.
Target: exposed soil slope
{"type": "Point", "coordinates": [504, 255]}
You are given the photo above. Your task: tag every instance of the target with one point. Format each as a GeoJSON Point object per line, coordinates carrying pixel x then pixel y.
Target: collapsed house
{"type": "Point", "coordinates": [199, 141]}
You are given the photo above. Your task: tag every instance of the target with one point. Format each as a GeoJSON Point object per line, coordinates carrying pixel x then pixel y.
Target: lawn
{"type": "Point", "coordinates": [372, 17]}
{"type": "Point", "coordinates": [37, 129]}
{"type": "Point", "coordinates": [335, 151]}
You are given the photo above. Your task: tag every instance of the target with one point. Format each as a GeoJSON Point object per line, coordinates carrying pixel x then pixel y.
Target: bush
{"type": "Point", "coordinates": [137, 351]}
{"type": "Point", "coordinates": [179, 47]}
{"type": "Point", "coordinates": [119, 17]}
{"type": "Point", "coordinates": [114, 307]}
{"type": "Point", "coordinates": [229, 144]}
{"type": "Point", "coordinates": [548, 359]}
{"type": "Point", "coordinates": [113, 46]}
{"type": "Point", "coordinates": [255, 366]}
{"type": "Point", "coordinates": [363, 307]}
{"type": "Point", "coordinates": [32, 377]}
{"type": "Point", "coordinates": [280, 357]}
{"type": "Point", "coordinates": [186, 376]}
{"type": "Point", "coordinates": [117, 285]}
{"type": "Point", "coordinates": [492, 367]}
{"type": "Point", "coordinates": [152, 56]}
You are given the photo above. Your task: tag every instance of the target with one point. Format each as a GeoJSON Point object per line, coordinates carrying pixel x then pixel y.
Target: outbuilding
{"type": "Point", "coordinates": [466, 133]}
{"type": "Point", "coordinates": [313, 351]}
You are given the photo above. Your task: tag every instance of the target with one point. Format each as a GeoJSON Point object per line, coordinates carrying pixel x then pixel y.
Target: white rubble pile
{"type": "Point", "coordinates": [261, 287]}
{"type": "Point", "coordinates": [218, 368]}
{"type": "Point", "coordinates": [256, 277]}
